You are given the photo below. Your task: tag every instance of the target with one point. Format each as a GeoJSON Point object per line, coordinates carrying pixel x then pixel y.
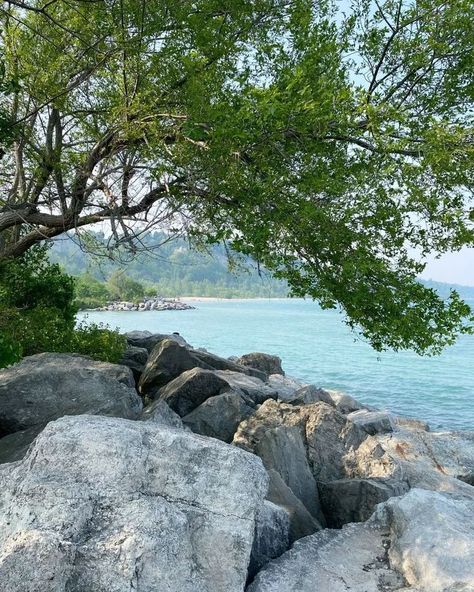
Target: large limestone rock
{"type": "Point", "coordinates": [44, 387]}
{"type": "Point", "coordinates": [420, 542]}
{"type": "Point", "coordinates": [352, 559]}
{"type": "Point", "coordinates": [276, 434]}
{"type": "Point", "coordinates": [266, 363]}
{"type": "Point", "coordinates": [190, 389]}
{"type": "Point", "coordinates": [219, 363]}
{"type": "Point", "coordinates": [110, 505]}
{"type": "Point", "coordinates": [285, 386]}
{"type": "Point", "coordinates": [135, 358]}
{"type": "Point", "coordinates": [251, 386]}
{"type": "Point", "coordinates": [373, 422]}
{"type": "Point", "coordinates": [148, 340]}
{"type": "Point", "coordinates": [441, 461]}
{"type": "Point", "coordinates": [271, 537]}
{"type": "Point", "coordinates": [432, 539]}
{"type": "Point", "coordinates": [219, 416]}
{"type": "Point", "coordinates": [354, 500]}
{"type": "Point", "coordinates": [302, 523]}
{"type": "Point", "coordinates": [332, 441]}
{"type": "Point", "coordinates": [160, 413]}
{"type": "Point", "coordinates": [166, 362]}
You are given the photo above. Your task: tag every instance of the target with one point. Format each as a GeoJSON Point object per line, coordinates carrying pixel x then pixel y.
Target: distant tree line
{"type": "Point", "coordinates": [178, 271]}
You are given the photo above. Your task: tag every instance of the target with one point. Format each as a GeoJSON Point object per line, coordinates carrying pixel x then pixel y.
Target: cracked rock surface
{"type": "Point", "coordinates": [112, 505]}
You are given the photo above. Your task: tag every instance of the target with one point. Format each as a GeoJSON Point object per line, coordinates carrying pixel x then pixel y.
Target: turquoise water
{"type": "Point", "coordinates": [317, 347]}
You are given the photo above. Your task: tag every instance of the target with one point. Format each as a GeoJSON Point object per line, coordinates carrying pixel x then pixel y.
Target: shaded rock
{"type": "Point", "coordinates": [250, 386]}
{"type": "Point", "coordinates": [160, 413]}
{"type": "Point", "coordinates": [332, 441]}
{"type": "Point", "coordinates": [373, 422]}
{"type": "Point", "coordinates": [166, 362]}
{"type": "Point", "coordinates": [283, 450]}
{"type": "Point", "coordinates": [219, 416]}
{"type": "Point", "coordinates": [285, 386]}
{"type": "Point", "coordinates": [147, 340]}
{"type": "Point", "coordinates": [309, 394]}
{"type": "Point", "coordinates": [432, 539]}
{"type": "Point", "coordinates": [135, 358]}
{"type": "Point", "coordinates": [190, 389]}
{"type": "Point", "coordinates": [275, 433]}
{"type": "Point", "coordinates": [219, 363]}
{"type": "Point", "coordinates": [266, 363]}
{"type": "Point", "coordinates": [354, 500]}
{"type": "Point", "coordinates": [14, 446]}
{"type": "Point", "coordinates": [302, 523]}
{"type": "Point", "coordinates": [271, 537]}
{"type": "Point", "coordinates": [343, 402]}
{"type": "Point", "coordinates": [46, 386]}
{"type": "Point", "coordinates": [109, 505]}
{"type": "Point", "coordinates": [353, 558]}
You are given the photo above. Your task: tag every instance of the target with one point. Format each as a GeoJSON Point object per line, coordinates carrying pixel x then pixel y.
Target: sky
{"type": "Point", "coordinates": [452, 268]}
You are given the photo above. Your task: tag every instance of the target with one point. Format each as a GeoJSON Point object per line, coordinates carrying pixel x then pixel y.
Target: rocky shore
{"type": "Point", "coordinates": [146, 304]}
{"type": "Point", "coordinates": [181, 471]}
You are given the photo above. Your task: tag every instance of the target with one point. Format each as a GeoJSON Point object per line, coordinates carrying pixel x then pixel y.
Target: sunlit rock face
{"type": "Point", "coordinates": [112, 505]}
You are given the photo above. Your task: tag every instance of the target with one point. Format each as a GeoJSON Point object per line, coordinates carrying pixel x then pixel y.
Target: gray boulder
{"type": "Point", "coordinates": [135, 358]}
{"type": "Point", "coordinates": [354, 500]}
{"type": "Point", "coordinates": [110, 505]}
{"type": "Point", "coordinates": [275, 433]}
{"type": "Point", "coordinates": [440, 461]}
{"type": "Point", "coordinates": [372, 422]}
{"type": "Point", "coordinates": [432, 539]}
{"type": "Point", "coordinates": [332, 441]}
{"type": "Point", "coordinates": [190, 389]}
{"type": "Point", "coordinates": [285, 386]}
{"type": "Point", "coordinates": [219, 416]}
{"type": "Point", "coordinates": [219, 363]}
{"type": "Point", "coordinates": [354, 558]}
{"type": "Point", "coordinates": [266, 363]}
{"type": "Point", "coordinates": [160, 413]}
{"type": "Point", "coordinates": [166, 362]}
{"type": "Point", "coordinates": [271, 537]}
{"type": "Point", "coordinates": [302, 523]}
{"type": "Point", "coordinates": [147, 340]}
{"type": "Point", "coordinates": [309, 394]}
{"type": "Point", "coordinates": [251, 386]}
{"type": "Point", "coordinates": [282, 449]}
{"type": "Point", "coordinates": [44, 387]}
{"type": "Point", "coordinates": [14, 446]}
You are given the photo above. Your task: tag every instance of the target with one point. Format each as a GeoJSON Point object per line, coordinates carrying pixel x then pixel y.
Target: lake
{"type": "Point", "coordinates": [317, 347]}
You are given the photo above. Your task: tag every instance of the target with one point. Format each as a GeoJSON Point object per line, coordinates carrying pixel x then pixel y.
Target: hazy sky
{"type": "Point", "coordinates": [456, 268]}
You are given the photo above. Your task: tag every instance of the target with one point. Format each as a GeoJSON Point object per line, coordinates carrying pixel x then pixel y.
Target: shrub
{"type": "Point", "coordinates": [98, 341]}
{"type": "Point", "coordinates": [10, 347]}
{"type": "Point", "coordinates": [37, 314]}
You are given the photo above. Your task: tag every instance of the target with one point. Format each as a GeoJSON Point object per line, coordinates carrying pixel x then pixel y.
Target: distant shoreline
{"type": "Point", "coordinates": [234, 299]}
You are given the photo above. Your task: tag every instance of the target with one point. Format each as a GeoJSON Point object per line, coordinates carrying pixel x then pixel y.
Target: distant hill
{"type": "Point", "coordinates": [176, 270]}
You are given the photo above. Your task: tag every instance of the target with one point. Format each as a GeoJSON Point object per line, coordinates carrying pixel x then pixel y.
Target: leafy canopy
{"type": "Point", "coordinates": [334, 147]}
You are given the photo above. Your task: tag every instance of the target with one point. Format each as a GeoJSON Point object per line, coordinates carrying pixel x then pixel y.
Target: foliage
{"type": "Point", "coordinates": [336, 149]}
{"type": "Point", "coordinates": [99, 342]}
{"type": "Point", "coordinates": [37, 313]}
{"type": "Point", "coordinates": [121, 287]}
{"type": "Point", "coordinates": [178, 270]}
{"type": "Point", "coordinates": [10, 347]}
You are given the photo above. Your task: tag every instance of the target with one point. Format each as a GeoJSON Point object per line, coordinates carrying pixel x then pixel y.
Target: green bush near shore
{"type": "Point", "coordinates": [38, 314]}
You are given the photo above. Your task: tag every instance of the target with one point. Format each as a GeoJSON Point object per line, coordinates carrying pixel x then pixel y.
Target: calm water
{"type": "Point", "coordinates": [317, 347]}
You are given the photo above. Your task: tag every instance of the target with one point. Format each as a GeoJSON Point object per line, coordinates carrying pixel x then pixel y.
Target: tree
{"type": "Point", "coordinates": [121, 287]}
{"type": "Point", "coordinates": [336, 149]}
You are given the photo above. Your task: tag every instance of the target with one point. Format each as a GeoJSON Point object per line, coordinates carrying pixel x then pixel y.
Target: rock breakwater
{"type": "Point", "coordinates": [183, 471]}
